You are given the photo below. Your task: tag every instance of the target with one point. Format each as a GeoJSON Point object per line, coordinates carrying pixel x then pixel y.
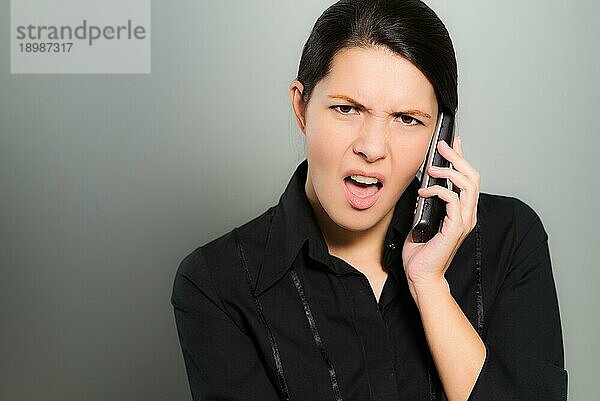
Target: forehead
{"type": "Point", "coordinates": [379, 76]}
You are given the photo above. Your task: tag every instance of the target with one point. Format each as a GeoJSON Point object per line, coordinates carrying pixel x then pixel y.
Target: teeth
{"type": "Point", "coordinates": [364, 180]}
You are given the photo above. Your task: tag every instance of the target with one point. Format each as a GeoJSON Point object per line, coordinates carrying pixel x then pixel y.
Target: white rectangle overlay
{"type": "Point", "coordinates": [80, 37]}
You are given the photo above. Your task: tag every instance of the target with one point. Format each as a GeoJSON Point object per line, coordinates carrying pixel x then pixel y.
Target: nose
{"type": "Point", "coordinates": [372, 141]}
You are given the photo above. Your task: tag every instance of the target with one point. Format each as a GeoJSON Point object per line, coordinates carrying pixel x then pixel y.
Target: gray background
{"type": "Point", "coordinates": [107, 181]}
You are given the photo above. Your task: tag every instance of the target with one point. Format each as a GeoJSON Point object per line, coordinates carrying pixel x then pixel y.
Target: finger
{"type": "Point", "coordinates": [458, 146]}
{"type": "Point", "coordinates": [476, 178]}
{"type": "Point", "coordinates": [467, 204]}
{"type": "Point", "coordinates": [453, 205]}
{"type": "Point", "coordinates": [458, 179]}
{"type": "Point", "coordinates": [458, 162]}
{"type": "Point", "coordinates": [468, 192]}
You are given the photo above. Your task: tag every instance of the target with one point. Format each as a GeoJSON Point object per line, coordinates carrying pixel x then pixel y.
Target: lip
{"type": "Point", "coordinates": [358, 202]}
{"type": "Point", "coordinates": [380, 177]}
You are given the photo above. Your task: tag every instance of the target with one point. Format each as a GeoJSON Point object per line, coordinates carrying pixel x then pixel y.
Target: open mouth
{"type": "Point", "coordinates": [359, 184]}
{"type": "Point", "coordinates": [362, 192]}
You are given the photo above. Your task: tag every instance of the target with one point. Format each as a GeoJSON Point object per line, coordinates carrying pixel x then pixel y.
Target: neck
{"type": "Point", "coordinates": [363, 248]}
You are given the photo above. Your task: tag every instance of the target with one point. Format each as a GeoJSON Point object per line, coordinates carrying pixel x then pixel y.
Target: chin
{"type": "Point", "coordinates": [356, 220]}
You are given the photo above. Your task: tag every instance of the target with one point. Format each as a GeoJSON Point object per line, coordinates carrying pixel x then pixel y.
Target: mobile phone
{"type": "Point", "coordinates": [429, 212]}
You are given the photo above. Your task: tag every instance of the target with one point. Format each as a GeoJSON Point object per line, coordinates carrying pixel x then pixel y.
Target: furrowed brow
{"type": "Point", "coordinates": [412, 112]}
{"type": "Point", "coordinates": [348, 99]}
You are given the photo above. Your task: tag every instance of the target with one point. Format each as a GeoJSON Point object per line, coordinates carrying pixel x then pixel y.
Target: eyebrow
{"type": "Point", "coordinates": [414, 112]}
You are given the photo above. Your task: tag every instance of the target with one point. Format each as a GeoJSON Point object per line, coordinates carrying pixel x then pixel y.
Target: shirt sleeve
{"type": "Point", "coordinates": [221, 360]}
{"type": "Point", "coordinates": [525, 356]}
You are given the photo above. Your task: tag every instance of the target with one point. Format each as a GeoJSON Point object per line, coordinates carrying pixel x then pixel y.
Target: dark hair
{"type": "Point", "coordinates": [407, 27]}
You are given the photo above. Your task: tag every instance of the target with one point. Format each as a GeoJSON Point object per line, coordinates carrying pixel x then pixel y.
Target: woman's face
{"type": "Point", "coordinates": [375, 112]}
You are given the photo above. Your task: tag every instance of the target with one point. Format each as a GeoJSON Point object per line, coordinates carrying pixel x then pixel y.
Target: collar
{"type": "Point", "coordinates": [294, 223]}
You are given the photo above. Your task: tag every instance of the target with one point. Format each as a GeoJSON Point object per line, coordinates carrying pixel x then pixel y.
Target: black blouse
{"type": "Point", "coordinates": [265, 313]}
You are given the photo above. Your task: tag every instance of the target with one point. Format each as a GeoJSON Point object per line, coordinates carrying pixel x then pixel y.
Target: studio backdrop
{"type": "Point", "coordinates": [114, 166]}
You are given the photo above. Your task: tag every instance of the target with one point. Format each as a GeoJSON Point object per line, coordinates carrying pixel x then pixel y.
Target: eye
{"type": "Point", "coordinates": [343, 108]}
{"type": "Point", "coordinates": [407, 119]}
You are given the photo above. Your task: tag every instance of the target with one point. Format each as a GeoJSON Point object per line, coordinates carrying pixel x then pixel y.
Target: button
{"type": "Point", "coordinates": [391, 245]}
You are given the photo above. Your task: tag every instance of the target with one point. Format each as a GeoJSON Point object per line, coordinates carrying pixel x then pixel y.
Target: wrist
{"type": "Point", "coordinates": [430, 290]}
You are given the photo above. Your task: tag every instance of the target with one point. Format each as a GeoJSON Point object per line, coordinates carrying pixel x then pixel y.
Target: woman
{"type": "Point", "coordinates": [325, 296]}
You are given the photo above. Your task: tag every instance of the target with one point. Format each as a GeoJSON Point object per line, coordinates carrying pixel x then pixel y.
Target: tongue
{"type": "Point", "coordinates": [361, 190]}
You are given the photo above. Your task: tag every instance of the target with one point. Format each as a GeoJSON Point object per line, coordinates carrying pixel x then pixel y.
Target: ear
{"type": "Point", "coordinates": [296, 90]}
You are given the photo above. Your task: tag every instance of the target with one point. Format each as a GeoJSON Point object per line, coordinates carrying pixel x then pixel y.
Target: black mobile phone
{"type": "Point", "coordinates": [429, 212]}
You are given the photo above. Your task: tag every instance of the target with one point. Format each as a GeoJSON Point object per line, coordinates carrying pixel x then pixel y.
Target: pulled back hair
{"type": "Point", "coordinates": [408, 28]}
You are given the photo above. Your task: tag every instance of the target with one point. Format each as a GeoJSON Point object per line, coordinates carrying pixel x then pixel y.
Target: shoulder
{"type": "Point", "coordinates": [502, 216]}
{"type": "Point", "coordinates": [511, 243]}
{"type": "Point", "coordinates": [217, 264]}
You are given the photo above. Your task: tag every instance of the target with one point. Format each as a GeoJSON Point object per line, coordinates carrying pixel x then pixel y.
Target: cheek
{"type": "Point", "coordinates": [408, 156]}
{"type": "Point", "coordinates": [316, 147]}
{"type": "Point", "coordinates": [419, 153]}
{"type": "Point", "coordinates": [324, 141]}
{"type": "Point", "coordinates": [411, 149]}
